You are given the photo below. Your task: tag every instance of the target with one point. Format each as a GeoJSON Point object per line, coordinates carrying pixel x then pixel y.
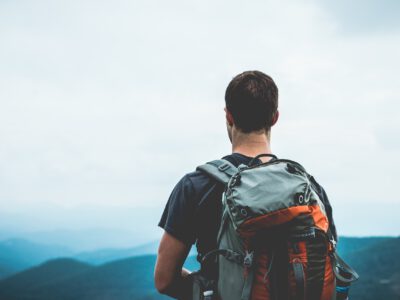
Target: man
{"type": "Point", "coordinates": [193, 212]}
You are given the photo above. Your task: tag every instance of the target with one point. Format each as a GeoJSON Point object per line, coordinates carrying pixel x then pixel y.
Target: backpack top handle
{"type": "Point", "coordinates": [254, 159]}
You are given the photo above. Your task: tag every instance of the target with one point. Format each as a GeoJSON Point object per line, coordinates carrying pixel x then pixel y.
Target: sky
{"type": "Point", "coordinates": [105, 105]}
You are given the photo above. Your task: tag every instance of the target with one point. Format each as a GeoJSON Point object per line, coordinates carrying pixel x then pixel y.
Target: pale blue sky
{"type": "Point", "coordinates": [104, 105]}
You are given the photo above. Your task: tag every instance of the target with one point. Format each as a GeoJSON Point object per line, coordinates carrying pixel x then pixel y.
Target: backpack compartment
{"type": "Point", "coordinates": [293, 269]}
{"type": "Point", "coordinates": [270, 195]}
{"type": "Point", "coordinates": [278, 206]}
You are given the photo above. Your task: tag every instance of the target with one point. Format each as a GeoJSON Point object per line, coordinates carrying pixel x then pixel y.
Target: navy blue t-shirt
{"type": "Point", "coordinates": [194, 208]}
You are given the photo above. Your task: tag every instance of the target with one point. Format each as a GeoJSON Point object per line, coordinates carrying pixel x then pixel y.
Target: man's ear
{"type": "Point", "coordinates": [275, 118]}
{"type": "Point", "coordinates": [229, 117]}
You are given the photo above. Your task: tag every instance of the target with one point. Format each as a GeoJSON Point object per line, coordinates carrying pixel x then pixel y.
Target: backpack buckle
{"type": "Point", "coordinates": [248, 259]}
{"type": "Point", "coordinates": [223, 167]}
{"type": "Point", "coordinates": [234, 256]}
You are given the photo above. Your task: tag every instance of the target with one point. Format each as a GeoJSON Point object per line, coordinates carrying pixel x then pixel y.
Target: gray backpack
{"type": "Point", "coordinates": [274, 240]}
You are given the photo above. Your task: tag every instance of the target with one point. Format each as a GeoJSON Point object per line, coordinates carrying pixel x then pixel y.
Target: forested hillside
{"type": "Point", "coordinates": [375, 259]}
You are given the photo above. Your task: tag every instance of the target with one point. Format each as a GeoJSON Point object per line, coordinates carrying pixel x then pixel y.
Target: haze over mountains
{"type": "Point", "coordinates": [18, 254]}
{"type": "Point", "coordinates": [33, 271]}
{"type": "Point", "coordinates": [81, 228]}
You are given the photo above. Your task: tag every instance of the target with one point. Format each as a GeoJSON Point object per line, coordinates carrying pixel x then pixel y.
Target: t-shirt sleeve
{"type": "Point", "coordinates": [179, 213]}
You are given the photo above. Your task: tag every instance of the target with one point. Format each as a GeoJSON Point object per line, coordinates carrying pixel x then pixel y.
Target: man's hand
{"type": "Point", "coordinates": [169, 276]}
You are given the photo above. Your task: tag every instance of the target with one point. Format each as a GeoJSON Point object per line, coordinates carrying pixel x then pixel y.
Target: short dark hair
{"type": "Point", "coordinates": [252, 99]}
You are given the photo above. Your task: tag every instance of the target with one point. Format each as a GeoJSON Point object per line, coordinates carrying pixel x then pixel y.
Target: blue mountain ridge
{"type": "Point", "coordinates": [374, 258]}
{"type": "Point", "coordinates": [19, 254]}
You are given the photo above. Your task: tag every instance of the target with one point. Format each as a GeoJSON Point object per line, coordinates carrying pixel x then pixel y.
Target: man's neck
{"type": "Point", "coordinates": [251, 144]}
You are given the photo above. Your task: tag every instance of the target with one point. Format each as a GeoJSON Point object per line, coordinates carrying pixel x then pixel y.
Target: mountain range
{"type": "Point", "coordinates": [18, 254]}
{"type": "Point", "coordinates": [90, 276]}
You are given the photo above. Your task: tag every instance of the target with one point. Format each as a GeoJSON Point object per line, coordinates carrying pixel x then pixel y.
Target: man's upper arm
{"type": "Point", "coordinates": [178, 222]}
{"type": "Point", "coordinates": [171, 256]}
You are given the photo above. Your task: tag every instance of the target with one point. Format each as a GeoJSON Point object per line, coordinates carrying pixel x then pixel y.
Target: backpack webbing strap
{"type": "Point", "coordinates": [220, 169]}
{"type": "Point", "coordinates": [298, 271]}
{"type": "Point", "coordinates": [248, 283]}
{"type": "Point", "coordinates": [230, 255]}
{"type": "Point", "coordinates": [224, 220]}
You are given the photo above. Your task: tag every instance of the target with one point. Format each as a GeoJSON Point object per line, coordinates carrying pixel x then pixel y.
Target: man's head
{"type": "Point", "coordinates": [251, 100]}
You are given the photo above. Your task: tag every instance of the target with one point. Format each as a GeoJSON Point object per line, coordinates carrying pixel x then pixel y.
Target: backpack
{"type": "Point", "coordinates": [274, 240]}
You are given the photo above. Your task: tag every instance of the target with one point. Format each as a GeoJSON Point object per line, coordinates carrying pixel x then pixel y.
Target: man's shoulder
{"type": "Point", "coordinates": [197, 180]}
{"type": "Point", "coordinates": [200, 177]}
{"type": "Point", "coordinates": [197, 175]}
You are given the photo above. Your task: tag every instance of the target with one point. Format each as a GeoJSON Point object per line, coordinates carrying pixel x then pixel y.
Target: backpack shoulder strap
{"type": "Point", "coordinates": [220, 169]}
